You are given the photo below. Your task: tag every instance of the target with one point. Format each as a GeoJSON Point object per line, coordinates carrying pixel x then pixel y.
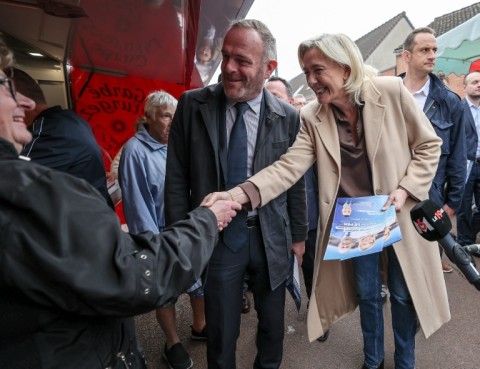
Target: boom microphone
{"type": "Point", "coordinates": [433, 224]}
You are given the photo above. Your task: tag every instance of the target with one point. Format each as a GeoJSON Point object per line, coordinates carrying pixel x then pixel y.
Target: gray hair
{"type": "Point", "coordinates": [269, 43]}
{"type": "Point", "coordinates": [342, 50]}
{"type": "Point", "coordinates": [157, 99]}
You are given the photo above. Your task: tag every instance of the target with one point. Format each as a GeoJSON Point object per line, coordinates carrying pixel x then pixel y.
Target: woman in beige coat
{"type": "Point", "coordinates": [368, 137]}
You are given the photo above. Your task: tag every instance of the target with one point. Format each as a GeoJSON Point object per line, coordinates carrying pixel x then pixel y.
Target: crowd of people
{"type": "Point", "coordinates": [219, 189]}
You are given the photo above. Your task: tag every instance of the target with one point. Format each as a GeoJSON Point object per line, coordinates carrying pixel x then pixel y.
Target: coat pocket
{"type": "Point", "coordinates": [443, 129]}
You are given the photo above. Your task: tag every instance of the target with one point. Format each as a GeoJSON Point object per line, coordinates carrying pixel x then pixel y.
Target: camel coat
{"type": "Point", "coordinates": [403, 150]}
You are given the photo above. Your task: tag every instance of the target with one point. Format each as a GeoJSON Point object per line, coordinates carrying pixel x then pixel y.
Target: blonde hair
{"type": "Point", "coordinates": [342, 50]}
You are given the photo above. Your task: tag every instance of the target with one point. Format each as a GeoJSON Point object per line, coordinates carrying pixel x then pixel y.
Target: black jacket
{"type": "Point", "coordinates": [64, 141]}
{"type": "Point", "coordinates": [196, 166]}
{"type": "Point", "coordinates": [69, 276]}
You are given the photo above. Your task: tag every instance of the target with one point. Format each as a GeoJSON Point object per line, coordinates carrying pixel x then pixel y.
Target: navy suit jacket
{"type": "Point", "coordinates": [470, 131]}
{"type": "Point", "coordinates": [196, 166]}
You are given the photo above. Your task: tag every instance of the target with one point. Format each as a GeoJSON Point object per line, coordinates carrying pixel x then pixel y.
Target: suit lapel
{"type": "Point", "coordinates": [265, 123]}
{"type": "Point", "coordinates": [468, 115]}
{"type": "Point", "coordinates": [213, 117]}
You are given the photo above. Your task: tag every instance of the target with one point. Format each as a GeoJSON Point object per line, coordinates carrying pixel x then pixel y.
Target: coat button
{"type": "Point", "coordinates": [147, 273]}
{"type": "Point", "coordinates": [378, 191]}
{"type": "Point", "coordinates": [147, 291]}
{"type": "Point", "coordinates": [143, 256]}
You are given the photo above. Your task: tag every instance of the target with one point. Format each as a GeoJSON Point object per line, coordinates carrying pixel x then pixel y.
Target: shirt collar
{"type": "Point", "coordinates": [425, 89]}
{"type": "Point", "coordinates": [470, 104]}
{"type": "Point", "coordinates": [254, 104]}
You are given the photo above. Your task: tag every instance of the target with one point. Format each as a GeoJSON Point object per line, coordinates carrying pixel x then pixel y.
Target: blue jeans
{"type": "Point", "coordinates": [404, 317]}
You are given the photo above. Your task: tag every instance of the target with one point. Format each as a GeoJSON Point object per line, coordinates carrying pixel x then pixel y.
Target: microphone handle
{"type": "Point", "coordinates": [472, 248]}
{"type": "Point", "coordinates": [462, 259]}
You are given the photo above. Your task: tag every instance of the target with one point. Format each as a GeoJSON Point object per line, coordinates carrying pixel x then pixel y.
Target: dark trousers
{"type": "Point", "coordinates": [223, 297]}
{"type": "Point", "coordinates": [309, 260]}
{"type": "Point", "coordinates": [466, 234]}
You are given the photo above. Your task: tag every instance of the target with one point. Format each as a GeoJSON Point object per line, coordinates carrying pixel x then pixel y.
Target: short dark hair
{"type": "Point", "coordinates": [408, 43]}
{"type": "Point", "coordinates": [269, 42]}
{"type": "Point", "coordinates": [287, 84]}
{"type": "Point", "coordinates": [27, 86]}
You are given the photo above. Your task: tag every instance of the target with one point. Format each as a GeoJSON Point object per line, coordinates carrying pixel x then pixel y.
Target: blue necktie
{"type": "Point", "coordinates": [235, 236]}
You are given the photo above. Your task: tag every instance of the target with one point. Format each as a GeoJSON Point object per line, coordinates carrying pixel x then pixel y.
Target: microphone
{"type": "Point", "coordinates": [433, 224]}
{"type": "Point", "coordinates": [472, 248]}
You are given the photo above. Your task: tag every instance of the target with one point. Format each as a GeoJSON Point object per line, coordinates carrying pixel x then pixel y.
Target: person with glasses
{"type": "Point", "coordinates": [8, 82]}
{"type": "Point", "coordinates": [71, 280]}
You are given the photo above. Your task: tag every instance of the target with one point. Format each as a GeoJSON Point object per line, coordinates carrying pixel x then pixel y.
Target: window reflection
{"type": "Point", "coordinates": [206, 54]}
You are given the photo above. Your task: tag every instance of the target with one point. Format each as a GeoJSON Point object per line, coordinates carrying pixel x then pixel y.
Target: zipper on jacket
{"type": "Point", "coordinates": [121, 356]}
{"type": "Point", "coordinates": [428, 107]}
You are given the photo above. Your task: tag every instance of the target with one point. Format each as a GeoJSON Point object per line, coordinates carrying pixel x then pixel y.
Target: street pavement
{"type": "Point", "coordinates": [455, 346]}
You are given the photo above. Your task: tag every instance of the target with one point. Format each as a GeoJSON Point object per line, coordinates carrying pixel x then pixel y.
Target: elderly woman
{"type": "Point", "coordinates": [368, 137]}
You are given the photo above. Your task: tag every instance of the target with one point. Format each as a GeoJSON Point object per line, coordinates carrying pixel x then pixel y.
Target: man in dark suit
{"type": "Point", "coordinates": [466, 225]}
{"type": "Point", "coordinates": [201, 160]}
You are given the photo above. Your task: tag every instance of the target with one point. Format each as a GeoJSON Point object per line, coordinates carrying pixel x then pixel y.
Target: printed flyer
{"type": "Point", "coordinates": [360, 227]}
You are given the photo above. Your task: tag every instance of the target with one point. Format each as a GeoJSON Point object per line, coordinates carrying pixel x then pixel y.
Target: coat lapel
{"type": "Point", "coordinates": [373, 115]}
{"type": "Point", "coordinates": [328, 133]}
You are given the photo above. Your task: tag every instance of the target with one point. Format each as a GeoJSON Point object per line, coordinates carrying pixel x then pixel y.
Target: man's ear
{"type": "Point", "coordinates": [271, 66]}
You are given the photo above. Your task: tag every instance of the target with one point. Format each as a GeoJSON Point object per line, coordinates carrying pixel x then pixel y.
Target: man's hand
{"type": "Point", "coordinates": [450, 212]}
{"type": "Point", "coordinates": [298, 248]}
{"type": "Point", "coordinates": [224, 212]}
{"type": "Point", "coordinates": [397, 198]}
{"type": "Point", "coordinates": [211, 198]}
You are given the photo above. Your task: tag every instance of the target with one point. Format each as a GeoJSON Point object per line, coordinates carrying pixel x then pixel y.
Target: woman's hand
{"type": "Point", "coordinates": [211, 198]}
{"type": "Point", "coordinates": [396, 198]}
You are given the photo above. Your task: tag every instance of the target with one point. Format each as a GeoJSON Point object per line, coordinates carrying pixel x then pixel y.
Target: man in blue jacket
{"type": "Point", "coordinates": [443, 109]}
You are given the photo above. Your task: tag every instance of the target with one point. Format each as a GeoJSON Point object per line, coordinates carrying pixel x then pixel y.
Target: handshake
{"type": "Point", "coordinates": [223, 206]}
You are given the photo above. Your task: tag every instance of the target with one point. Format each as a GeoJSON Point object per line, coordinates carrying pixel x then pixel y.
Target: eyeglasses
{"type": "Point", "coordinates": [10, 85]}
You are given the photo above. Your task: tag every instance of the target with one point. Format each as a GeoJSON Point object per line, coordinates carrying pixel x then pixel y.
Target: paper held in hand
{"type": "Point", "coordinates": [360, 227]}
